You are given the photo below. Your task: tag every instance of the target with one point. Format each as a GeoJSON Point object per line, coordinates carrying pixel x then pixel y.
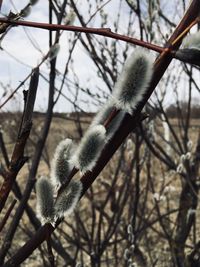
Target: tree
{"type": "Point", "coordinates": [142, 209]}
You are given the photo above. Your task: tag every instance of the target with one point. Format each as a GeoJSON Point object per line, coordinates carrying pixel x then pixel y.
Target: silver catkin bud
{"type": "Point", "coordinates": [129, 229]}
{"type": "Point", "coordinates": [103, 114]}
{"type": "Point", "coordinates": [189, 55]}
{"type": "Point", "coordinates": [33, 2]}
{"type": "Point", "coordinates": [133, 81]}
{"type": "Point", "coordinates": [192, 41]}
{"type": "Point", "coordinates": [89, 148]}
{"type": "Point", "coordinates": [68, 199]}
{"type": "Point", "coordinates": [26, 11]}
{"type": "Point", "coordinates": [189, 145]}
{"type": "Point", "coordinates": [190, 51]}
{"type": "Point", "coordinates": [126, 254]}
{"type": "Point", "coordinates": [44, 193]}
{"type": "Point", "coordinates": [54, 50]}
{"type": "Point", "coordinates": [60, 165]}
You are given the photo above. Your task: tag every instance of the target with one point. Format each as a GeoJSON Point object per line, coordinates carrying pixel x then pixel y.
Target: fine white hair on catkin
{"type": "Point", "coordinates": [44, 193]}
{"type": "Point", "coordinates": [192, 41]}
{"type": "Point", "coordinates": [60, 165]}
{"type": "Point", "coordinates": [133, 80]}
{"type": "Point", "coordinates": [68, 199]}
{"type": "Point", "coordinates": [89, 149]}
{"type": "Point", "coordinates": [103, 114]}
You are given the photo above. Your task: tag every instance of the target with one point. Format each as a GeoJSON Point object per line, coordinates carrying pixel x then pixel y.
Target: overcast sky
{"type": "Point", "coordinates": [19, 55]}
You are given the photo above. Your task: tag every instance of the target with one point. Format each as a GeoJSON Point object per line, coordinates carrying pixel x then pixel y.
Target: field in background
{"type": "Point", "coordinates": [72, 126]}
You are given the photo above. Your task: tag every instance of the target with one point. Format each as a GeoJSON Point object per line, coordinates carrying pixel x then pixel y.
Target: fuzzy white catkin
{"type": "Point", "coordinates": [26, 11]}
{"type": "Point", "coordinates": [133, 81]}
{"type": "Point", "coordinates": [89, 149]}
{"type": "Point", "coordinates": [188, 155]}
{"type": "Point", "coordinates": [156, 196]}
{"type": "Point", "coordinates": [166, 136]}
{"type": "Point", "coordinates": [104, 114]}
{"type": "Point", "coordinates": [67, 200]}
{"type": "Point", "coordinates": [192, 41]}
{"type": "Point", "coordinates": [182, 158]}
{"type": "Point", "coordinates": [131, 238]}
{"type": "Point", "coordinates": [129, 144]}
{"type": "Point", "coordinates": [70, 18]}
{"type": "Point", "coordinates": [33, 2]}
{"type": "Point", "coordinates": [44, 192]}
{"type": "Point", "coordinates": [54, 50]}
{"type": "Point", "coordinates": [189, 145]}
{"type": "Point", "coordinates": [60, 165]}
{"type": "Point", "coordinates": [126, 254]}
{"type": "Point", "coordinates": [129, 229]}
{"type": "Point", "coordinates": [180, 168]}
{"type": "Point", "coordinates": [132, 248]}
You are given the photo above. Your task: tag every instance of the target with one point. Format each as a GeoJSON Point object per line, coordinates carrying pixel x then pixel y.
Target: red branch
{"type": "Point", "coordinates": [98, 31]}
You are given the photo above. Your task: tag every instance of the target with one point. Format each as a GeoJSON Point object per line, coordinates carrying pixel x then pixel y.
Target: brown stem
{"type": "Point", "coordinates": [99, 31]}
{"type": "Point", "coordinates": [112, 115]}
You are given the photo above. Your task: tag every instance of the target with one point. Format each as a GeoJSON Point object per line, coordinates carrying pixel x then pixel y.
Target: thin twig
{"type": "Point", "coordinates": [7, 215]}
{"type": "Point", "coordinates": [3, 149]}
{"type": "Point", "coordinates": [99, 31]}
{"type": "Point", "coordinates": [1, 2]}
{"type": "Point", "coordinates": [17, 159]}
{"type": "Point", "coordinates": [50, 251]}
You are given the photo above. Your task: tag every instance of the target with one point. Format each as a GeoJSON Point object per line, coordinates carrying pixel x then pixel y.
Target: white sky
{"type": "Point", "coordinates": [20, 47]}
{"type": "Point", "coordinates": [16, 45]}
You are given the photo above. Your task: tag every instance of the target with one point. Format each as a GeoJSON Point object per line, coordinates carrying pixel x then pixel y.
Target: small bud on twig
{"type": "Point", "coordinates": [53, 52]}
